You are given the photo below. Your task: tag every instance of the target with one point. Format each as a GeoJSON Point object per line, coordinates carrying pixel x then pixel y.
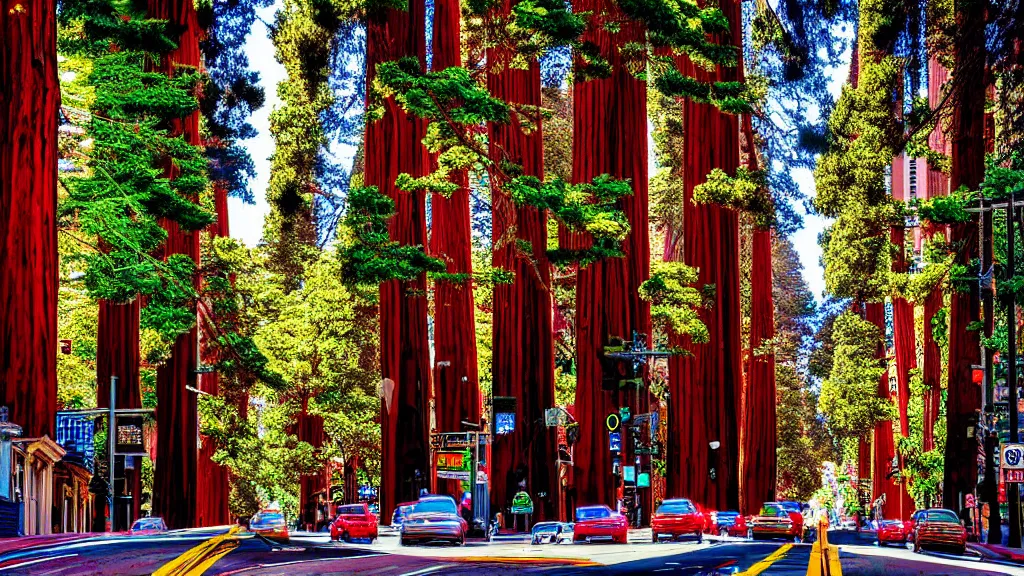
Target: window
{"type": "Point", "coordinates": [440, 505]}
{"type": "Point", "coordinates": [942, 516]}
{"type": "Point", "coordinates": [676, 507]}
{"type": "Point", "coordinates": [593, 513]}
{"type": "Point", "coordinates": [772, 510]}
{"type": "Point", "coordinates": [352, 510]}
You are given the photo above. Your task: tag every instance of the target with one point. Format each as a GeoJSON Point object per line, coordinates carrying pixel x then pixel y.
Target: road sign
{"type": "Point", "coordinates": [1011, 456]}
{"type": "Point", "coordinates": [454, 465]}
{"type": "Point", "coordinates": [615, 441]}
{"type": "Point", "coordinates": [129, 437]}
{"type": "Point", "coordinates": [628, 473]}
{"type": "Point", "coordinates": [612, 422]}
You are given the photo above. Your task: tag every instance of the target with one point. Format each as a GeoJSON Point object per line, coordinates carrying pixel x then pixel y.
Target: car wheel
{"type": "Point", "coordinates": [619, 540]}
{"type": "Point", "coordinates": [654, 537]}
{"type": "Point", "coordinates": [403, 542]}
{"type": "Point", "coordinates": [917, 546]}
{"type": "Point", "coordinates": [345, 538]}
{"type": "Point", "coordinates": [723, 532]}
{"type": "Point", "coordinates": [962, 551]}
{"type": "Point", "coordinates": [750, 533]}
{"type": "Point", "coordinates": [700, 537]}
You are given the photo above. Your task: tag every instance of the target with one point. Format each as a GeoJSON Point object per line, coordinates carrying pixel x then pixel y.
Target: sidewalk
{"type": "Point", "coordinates": [998, 553]}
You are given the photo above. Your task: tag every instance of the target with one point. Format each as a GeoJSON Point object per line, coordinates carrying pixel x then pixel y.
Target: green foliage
{"type": "Point", "coordinates": [746, 191]}
{"type": "Point", "coordinates": [849, 396]}
{"type": "Point", "coordinates": [921, 470]}
{"type": "Point", "coordinates": [674, 299]}
{"type": "Point", "coordinates": [857, 252]}
{"type": "Point", "coordinates": [368, 255]}
{"type": "Point", "coordinates": [951, 209]}
{"type": "Point", "coordinates": [114, 211]}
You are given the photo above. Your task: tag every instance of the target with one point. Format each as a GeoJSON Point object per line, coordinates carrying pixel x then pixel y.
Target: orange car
{"type": "Point", "coordinates": [939, 528]}
{"type": "Point", "coordinates": [270, 524]}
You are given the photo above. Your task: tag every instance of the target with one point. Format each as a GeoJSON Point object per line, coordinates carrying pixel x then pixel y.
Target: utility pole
{"type": "Point", "coordinates": [1012, 489]}
{"type": "Point", "coordinates": [990, 487]}
{"type": "Point", "coordinates": [111, 444]}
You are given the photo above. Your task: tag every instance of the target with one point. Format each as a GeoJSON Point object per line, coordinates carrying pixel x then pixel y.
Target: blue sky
{"type": "Point", "coordinates": [247, 220]}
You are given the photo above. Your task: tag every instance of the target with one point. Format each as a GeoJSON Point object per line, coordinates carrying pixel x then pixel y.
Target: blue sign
{"type": "Point", "coordinates": [504, 423]}
{"type": "Point", "coordinates": [74, 434]}
{"type": "Point", "coordinates": [615, 441]}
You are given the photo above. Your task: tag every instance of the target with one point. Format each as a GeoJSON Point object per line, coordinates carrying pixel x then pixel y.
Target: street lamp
{"type": "Point", "coordinates": [714, 445]}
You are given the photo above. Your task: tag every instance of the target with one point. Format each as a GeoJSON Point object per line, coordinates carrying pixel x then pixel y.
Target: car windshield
{"type": "Point", "coordinates": [592, 513]}
{"type": "Point", "coordinates": [439, 505]}
{"type": "Point", "coordinates": [266, 520]}
{"type": "Point", "coordinates": [545, 528]}
{"type": "Point", "coordinates": [148, 524]}
{"type": "Point", "coordinates": [355, 510]}
{"type": "Point", "coordinates": [941, 516]}
{"type": "Point", "coordinates": [677, 507]}
{"type": "Point", "coordinates": [772, 510]}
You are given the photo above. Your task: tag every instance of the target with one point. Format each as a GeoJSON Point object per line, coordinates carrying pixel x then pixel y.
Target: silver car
{"type": "Point", "coordinates": [434, 518]}
{"type": "Point", "coordinates": [552, 533]}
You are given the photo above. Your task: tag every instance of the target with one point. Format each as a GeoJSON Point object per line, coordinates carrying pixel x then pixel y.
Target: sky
{"type": "Point", "coordinates": [247, 220]}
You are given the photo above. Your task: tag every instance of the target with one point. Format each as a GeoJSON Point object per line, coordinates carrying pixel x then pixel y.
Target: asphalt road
{"type": "Point", "coordinates": [215, 552]}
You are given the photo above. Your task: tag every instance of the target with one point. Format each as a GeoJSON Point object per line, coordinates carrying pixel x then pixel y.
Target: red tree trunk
{"type": "Point", "coordinates": [968, 170]}
{"type": "Point", "coordinates": [759, 461]}
{"type": "Point", "coordinates": [310, 428]}
{"type": "Point", "coordinates": [456, 388]}
{"type": "Point", "coordinates": [609, 137]}
{"type": "Point", "coordinates": [351, 480]}
{"type": "Point", "coordinates": [904, 344]}
{"type": "Point", "coordinates": [117, 354]}
{"type": "Point", "coordinates": [174, 488]}
{"type": "Point", "coordinates": [705, 388]}
{"type": "Point", "coordinates": [212, 500]}
{"type": "Point", "coordinates": [29, 98]}
{"type": "Point", "coordinates": [393, 147]}
{"type": "Point", "coordinates": [937, 184]}
{"type": "Point", "coordinates": [523, 346]}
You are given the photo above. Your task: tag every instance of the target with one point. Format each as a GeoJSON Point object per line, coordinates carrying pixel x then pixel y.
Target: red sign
{"type": "Point", "coordinates": [450, 461]}
{"type": "Point", "coordinates": [1013, 475]}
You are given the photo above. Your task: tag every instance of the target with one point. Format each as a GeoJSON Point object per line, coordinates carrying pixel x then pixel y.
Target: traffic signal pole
{"type": "Point", "coordinates": [111, 443]}
{"type": "Point", "coordinates": [1012, 489]}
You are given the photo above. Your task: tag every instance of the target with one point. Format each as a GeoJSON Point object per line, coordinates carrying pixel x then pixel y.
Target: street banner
{"type": "Point", "coordinates": [1011, 462]}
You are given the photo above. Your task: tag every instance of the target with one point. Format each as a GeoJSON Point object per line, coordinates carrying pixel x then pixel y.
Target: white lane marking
{"type": "Point", "coordinates": [430, 570]}
{"type": "Point", "coordinates": [36, 561]}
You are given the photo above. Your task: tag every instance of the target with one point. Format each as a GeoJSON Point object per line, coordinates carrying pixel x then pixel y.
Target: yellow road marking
{"type": "Point", "coordinates": [764, 564]}
{"type": "Point", "coordinates": [198, 559]}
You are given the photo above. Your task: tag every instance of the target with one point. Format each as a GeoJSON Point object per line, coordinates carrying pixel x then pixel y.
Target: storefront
{"type": "Point", "coordinates": [72, 502]}
{"type": "Point", "coordinates": [33, 461]}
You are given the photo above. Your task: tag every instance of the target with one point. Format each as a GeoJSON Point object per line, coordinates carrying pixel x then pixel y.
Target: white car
{"type": "Point", "coordinates": [551, 533]}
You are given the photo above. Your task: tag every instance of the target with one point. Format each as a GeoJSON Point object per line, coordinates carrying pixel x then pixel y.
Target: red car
{"type": "Point", "coordinates": [676, 518]}
{"type": "Point", "coordinates": [599, 523]}
{"type": "Point", "coordinates": [354, 522]}
{"type": "Point", "coordinates": [731, 523]}
{"type": "Point", "coordinates": [892, 532]}
{"type": "Point", "coordinates": [939, 528]}
{"type": "Point", "coordinates": [775, 522]}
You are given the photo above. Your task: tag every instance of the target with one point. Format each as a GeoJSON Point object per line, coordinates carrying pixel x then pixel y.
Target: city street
{"type": "Point", "coordinates": [220, 552]}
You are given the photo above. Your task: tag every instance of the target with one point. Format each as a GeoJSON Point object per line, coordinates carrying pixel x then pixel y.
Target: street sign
{"type": "Point", "coordinates": [1011, 456]}
{"type": "Point", "coordinates": [643, 480]}
{"type": "Point", "coordinates": [129, 437]}
{"type": "Point", "coordinates": [615, 441]}
{"type": "Point", "coordinates": [612, 422]}
{"type": "Point", "coordinates": [624, 413]}
{"type": "Point", "coordinates": [454, 465]}
{"type": "Point", "coordinates": [504, 423]}
{"type": "Point", "coordinates": [628, 473]}
{"type": "Point", "coordinates": [1013, 476]}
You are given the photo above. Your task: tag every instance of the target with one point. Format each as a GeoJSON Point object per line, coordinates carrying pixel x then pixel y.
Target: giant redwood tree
{"type": "Point", "coordinates": [457, 394]}
{"type": "Point", "coordinates": [523, 353]}
{"type": "Point", "coordinates": [174, 490]}
{"type": "Point", "coordinates": [609, 137]}
{"type": "Point", "coordinates": [392, 148]}
{"type": "Point", "coordinates": [29, 99]}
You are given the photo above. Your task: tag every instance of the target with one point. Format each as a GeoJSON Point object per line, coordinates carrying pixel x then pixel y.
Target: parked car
{"type": "Point", "coordinates": [401, 512]}
{"type": "Point", "coordinates": [709, 518]}
{"type": "Point", "coordinates": [892, 532]}
{"type": "Point", "coordinates": [147, 526]}
{"type": "Point", "coordinates": [775, 522]}
{"type": "Point", "coordinates": [434, 518]}
{"type": "Point", "coordinates": [354, 522]}
{"type": "Point", "coordinates": [939, 528]}
{"type": "Point", "coordinates": [270, 524]}
{"type": "Point", "coordinates": [551, 533]}
{"type": "Point", "coordinates": [731, 523]}
{"type": "Point", "coordinates": [677, 518]}
{"type": "Point", "coordinates": [599, 523]}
